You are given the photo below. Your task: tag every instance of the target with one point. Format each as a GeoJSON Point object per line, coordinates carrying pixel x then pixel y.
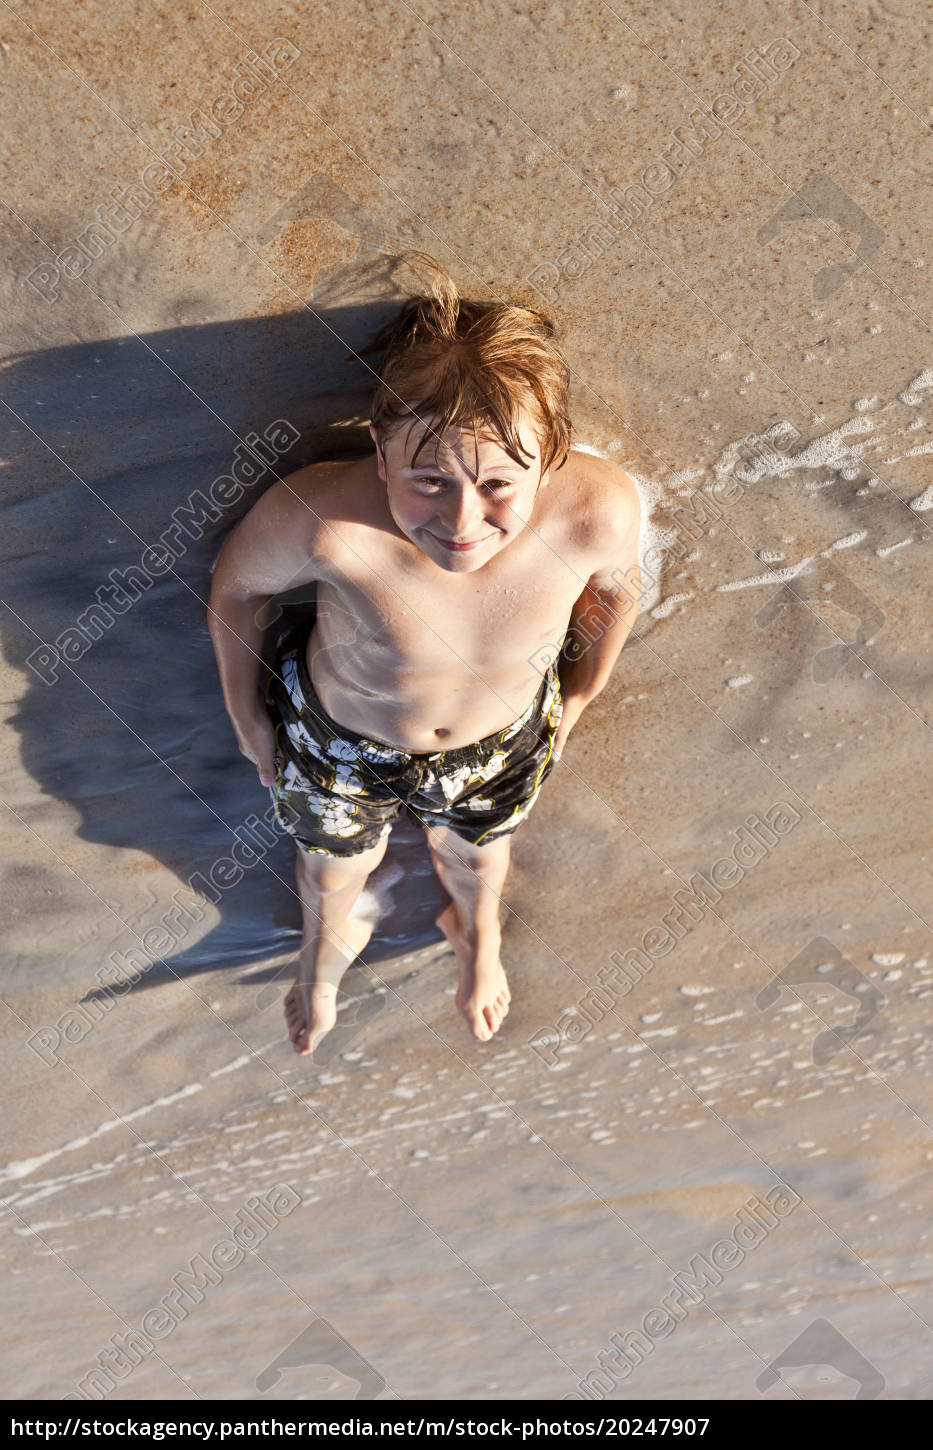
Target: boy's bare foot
{"type": "Point", "coordinates": [311, 1007]}
{"type": "Point", "coordinates": [483, 994]}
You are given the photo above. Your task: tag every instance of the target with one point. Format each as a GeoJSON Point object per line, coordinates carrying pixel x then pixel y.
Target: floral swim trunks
{"type": "Point", "coordinates": [338, 793]}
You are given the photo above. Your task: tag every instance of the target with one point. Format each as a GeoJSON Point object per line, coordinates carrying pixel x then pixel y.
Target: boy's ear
{"type": "Point", "coordinates": [380, 456]}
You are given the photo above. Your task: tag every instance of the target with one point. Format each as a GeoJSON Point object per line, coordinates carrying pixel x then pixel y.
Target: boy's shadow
{"type": "Point", "coordinates": [122, 717]}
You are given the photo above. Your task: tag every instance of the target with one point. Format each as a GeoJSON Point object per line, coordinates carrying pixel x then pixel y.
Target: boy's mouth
{"type": "Point", "coordinates": [456, 547]}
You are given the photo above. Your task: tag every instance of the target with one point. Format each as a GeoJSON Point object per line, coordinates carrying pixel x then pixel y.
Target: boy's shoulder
{"type": "Point", "coordinates": [600, 501]}
{"type": "Point", "coordinates": [301, 528]}
{"type": "Point", "coordinates": [314, 501]}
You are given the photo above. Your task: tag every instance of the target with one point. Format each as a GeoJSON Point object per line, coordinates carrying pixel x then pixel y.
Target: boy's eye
{"type": "Point", "coordinates": [496, 484]}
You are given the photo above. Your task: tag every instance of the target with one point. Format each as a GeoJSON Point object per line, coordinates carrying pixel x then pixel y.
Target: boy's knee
{"type": "Point", "coordinates": [334, 873]}
{"type": "Point", "coordinates": [456, 851]}
{"type": "Point", "coordinates": [444, 845]}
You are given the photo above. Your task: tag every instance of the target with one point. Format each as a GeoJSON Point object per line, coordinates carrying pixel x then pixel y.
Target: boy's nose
{"type": "Point", "coordinates": [464, 514]}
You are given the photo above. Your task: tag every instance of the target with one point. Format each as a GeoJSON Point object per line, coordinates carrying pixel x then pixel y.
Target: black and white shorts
{"type": "Point", "coordinates": [338, 793]}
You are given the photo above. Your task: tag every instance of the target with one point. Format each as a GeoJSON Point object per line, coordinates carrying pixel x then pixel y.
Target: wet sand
{"type": "Point", "coordinates": [461, 1220]}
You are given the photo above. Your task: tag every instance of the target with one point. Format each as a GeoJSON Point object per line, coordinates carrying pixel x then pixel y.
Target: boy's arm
{"type": "Point", "coordinates": [273, 548]}
{"type": "Point", "coordinates": [603, 615]}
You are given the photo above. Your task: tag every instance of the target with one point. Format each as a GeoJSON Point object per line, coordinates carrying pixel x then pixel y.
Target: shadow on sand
{"type": "Point", "coordinates": [124, 719]}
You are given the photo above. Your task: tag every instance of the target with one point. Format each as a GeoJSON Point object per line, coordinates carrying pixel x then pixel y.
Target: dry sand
{"type": "Point", "coordinates": [474, 1221]}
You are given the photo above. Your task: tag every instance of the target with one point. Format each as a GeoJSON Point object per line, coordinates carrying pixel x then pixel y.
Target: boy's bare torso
{"type": "Point", "coordinates": [420, 658]}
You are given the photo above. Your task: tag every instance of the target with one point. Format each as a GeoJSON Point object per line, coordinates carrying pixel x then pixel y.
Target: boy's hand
{"type": "Point", "coordinates": [256, 740]}
{"type": "Point", "coordinates": [574, 705]}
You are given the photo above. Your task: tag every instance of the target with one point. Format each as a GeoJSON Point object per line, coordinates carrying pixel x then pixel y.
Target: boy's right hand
{"type": "Point", "coordinates": [256, 740]}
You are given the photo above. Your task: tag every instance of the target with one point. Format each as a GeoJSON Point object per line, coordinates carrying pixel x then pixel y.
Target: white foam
{"type": "Point", "coordinates": [773, 576]}
{"type": "Point", "coordinates": [848, 540]}
{"type": "Point", "coordinates": [889, 549]}
{"type": "Point", "coordinates": [827, 450]}
{"type": "Point", "coordinates": [735, 682]}
{"type": "Point", "coordinates": [662, 610]}
{"type": "Point", "coordinates": [24, 1166]}
{"type": "Point", "coordinates": [923, 501]}
{"type": "Point", "coordinates": [887, 959]}
{"type": "Point", "coordinates": [588, 448]}
{"type": "Point", "coordinates": [231, 1066]}
{"type": "Point", "coordinates": [375, 900]}
{"type": "Point", "coordinates": [921, 384]}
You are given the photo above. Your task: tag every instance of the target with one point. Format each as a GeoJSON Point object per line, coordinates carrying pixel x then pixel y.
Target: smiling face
{"type": "Point", "coordinates": [470, 502]}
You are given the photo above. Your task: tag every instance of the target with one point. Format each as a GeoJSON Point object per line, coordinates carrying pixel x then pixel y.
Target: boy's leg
{"type": "Point", "coordinates": [474, 877]}
{"type": "Point", "coordinates": [329, 887]}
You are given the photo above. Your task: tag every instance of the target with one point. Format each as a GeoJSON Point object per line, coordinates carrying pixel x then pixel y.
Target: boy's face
{"type": "Point", "coordinates": [469, 504]}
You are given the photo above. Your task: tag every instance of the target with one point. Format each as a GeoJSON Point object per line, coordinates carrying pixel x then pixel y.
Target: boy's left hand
{"type": "Point", "coordinates": [574, 705]}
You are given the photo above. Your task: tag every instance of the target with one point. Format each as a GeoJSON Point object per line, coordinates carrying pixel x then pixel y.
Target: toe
{"type": "Point", "coordinates": [482, 1029]}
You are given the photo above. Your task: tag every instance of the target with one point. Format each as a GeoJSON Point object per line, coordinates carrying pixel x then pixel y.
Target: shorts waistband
{"type": "Point", "coordinates": [379, 747]}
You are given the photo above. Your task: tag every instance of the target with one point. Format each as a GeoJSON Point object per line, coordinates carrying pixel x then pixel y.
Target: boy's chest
{"type": "Point", "coordinates": [490, 615]}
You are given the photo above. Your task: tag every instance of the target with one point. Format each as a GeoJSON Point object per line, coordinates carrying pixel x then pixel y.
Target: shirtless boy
{"type": "Point", "coordinates": [450, 565]}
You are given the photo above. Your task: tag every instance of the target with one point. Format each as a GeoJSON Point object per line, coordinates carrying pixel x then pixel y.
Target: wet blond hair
{"type": "Point", "coordinates": [457, 362]}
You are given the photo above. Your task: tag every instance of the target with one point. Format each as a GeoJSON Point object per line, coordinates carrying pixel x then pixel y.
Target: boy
{"type": "Point", "coordinates": [449, 567]}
